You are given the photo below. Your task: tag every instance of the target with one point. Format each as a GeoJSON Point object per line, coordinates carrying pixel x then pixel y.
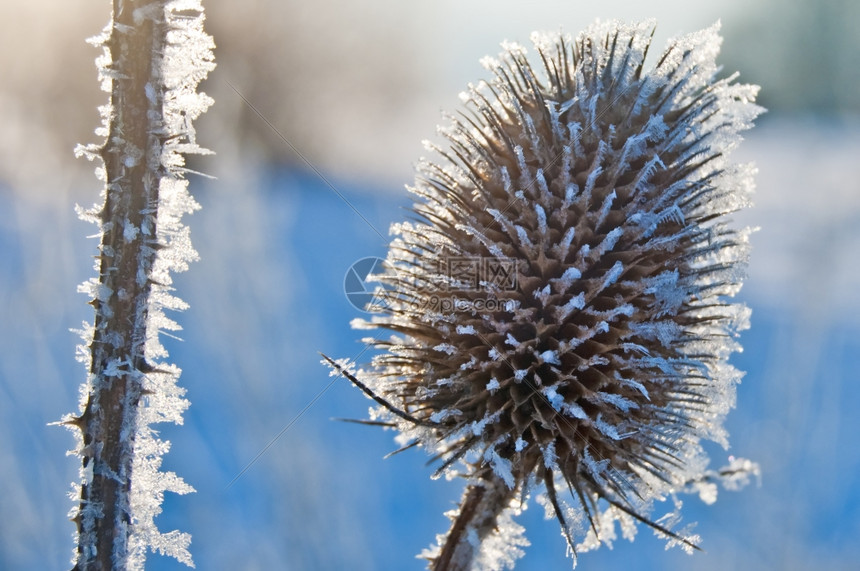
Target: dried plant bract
{"type": "Point", "coordinates": [560, 310]}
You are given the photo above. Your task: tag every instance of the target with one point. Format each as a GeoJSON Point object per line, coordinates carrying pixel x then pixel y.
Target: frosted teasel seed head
{"type": "Point", "coordinates": [597, 364]}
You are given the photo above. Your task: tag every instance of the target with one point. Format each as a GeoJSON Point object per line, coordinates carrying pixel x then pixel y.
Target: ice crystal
{"type": "Point", "coordinates": [149, 128]}
{"type": "Point", "coordinates": [603, 188]}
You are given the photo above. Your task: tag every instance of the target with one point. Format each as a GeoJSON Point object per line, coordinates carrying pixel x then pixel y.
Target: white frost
{"type": "Point", "coordinates": [180, 63]}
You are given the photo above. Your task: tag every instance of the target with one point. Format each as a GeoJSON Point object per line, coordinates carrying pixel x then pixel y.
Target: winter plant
{"type": "Point", "coordinates": [154, 55]}
{"type": "Point", "coordinates": [559, 311]}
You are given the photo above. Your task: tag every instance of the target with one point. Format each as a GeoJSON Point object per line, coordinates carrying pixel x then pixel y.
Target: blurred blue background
{"type": "Point", "coordinates": [355, 89]}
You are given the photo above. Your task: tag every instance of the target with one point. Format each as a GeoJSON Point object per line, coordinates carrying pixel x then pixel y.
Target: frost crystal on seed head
{"type": "Point", "coordinates": [602, 359]}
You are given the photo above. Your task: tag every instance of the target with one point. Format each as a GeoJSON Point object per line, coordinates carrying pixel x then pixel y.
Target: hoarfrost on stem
{"type": "Point", "coordinates": [154, 54]}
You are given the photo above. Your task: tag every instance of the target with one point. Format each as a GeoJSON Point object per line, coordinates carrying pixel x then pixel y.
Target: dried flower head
{"type": "Point", "coordinates": [560, 305]}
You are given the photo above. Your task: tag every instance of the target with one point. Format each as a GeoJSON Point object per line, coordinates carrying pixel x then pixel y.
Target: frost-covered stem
{"type": "Point", "coordinates": [132, 161]}
{"type": "Point", "coordinates": [476, 518]}
{"type": "Point", "coordinates": [154, 55]}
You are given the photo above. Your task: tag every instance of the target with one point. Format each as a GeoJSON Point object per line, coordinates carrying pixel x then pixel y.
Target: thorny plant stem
{"type": "Point", "coordinates": [127, 252]}
{"type": "Point", "coordinates": [477, 518]}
